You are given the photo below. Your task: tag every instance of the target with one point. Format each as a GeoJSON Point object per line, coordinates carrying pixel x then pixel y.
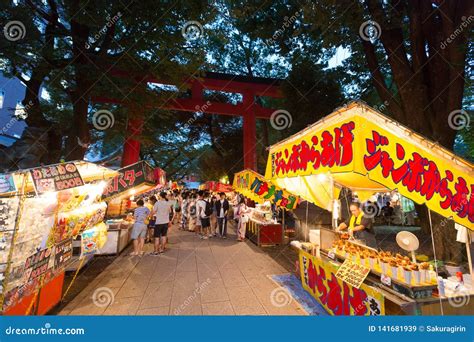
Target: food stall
{"type": "Point", "coordinates": [262, 229]}
{"type": "Point", "coordinates": [41, 212]}
{"type": "Point", "coordinates": [215, 186]}
{"type": "Point", "coordinates": [358, 148]}
{"type": "Point", "coordinates": [120, 193]}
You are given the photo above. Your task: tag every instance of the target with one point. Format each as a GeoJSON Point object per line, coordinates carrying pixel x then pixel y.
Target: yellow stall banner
{"type": "Point", "coordinates": [358, 148]}
{"type": "Point", "coordinates": [257, 188]}
{"type": "Point", "coordinates": [336, 296]}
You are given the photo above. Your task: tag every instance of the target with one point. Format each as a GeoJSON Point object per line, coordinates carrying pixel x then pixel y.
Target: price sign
{"type": "Point", "coordinates": [63, 253]}
{"type": "Point", "coordinates": [37, 264]}
{"type": "Point", "coordinates": [353, 274]}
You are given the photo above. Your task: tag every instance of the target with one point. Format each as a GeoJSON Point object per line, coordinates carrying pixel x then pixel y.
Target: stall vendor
{"type": "Point", "coordinates": [360, 226]}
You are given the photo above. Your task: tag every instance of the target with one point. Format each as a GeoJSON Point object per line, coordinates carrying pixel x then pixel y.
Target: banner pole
{"type": "Point", "coordinates": [435, 259]}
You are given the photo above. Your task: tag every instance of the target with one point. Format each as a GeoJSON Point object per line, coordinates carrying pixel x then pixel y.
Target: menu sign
{"type": "Point", "coordinates": [353, 274]}
{"type": "Point", "coordinates": [130, 177]}
{"type": "Point", "coordinates": [8, 212]}
{"type": "Point", "coordinates": [37, 264]}
{"type": "Point", "coordinates": [63, 253]}
{"type": "Point", "coordinates": [7, 183]}
{"type": "Point", "coordinates": [56, 177]}
{"type": "Point", "coordinates": [3, 269]}
{"type": "Point", "coordinates": [6, 238]}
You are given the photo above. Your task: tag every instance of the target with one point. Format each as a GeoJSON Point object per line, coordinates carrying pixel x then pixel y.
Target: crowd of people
{"type": "Point", "coordinates": [204, 213]}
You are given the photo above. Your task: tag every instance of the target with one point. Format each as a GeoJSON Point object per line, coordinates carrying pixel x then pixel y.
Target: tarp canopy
{"type": "Point", "coordinates": [254, 186]}
{"type": "Point", "coordinates": [361, 149]}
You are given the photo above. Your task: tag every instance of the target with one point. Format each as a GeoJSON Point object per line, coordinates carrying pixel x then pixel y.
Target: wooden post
{"type": "Point", "coordinates": [131, 148]}
{"type": "Point", "coordinates": [250, 132]}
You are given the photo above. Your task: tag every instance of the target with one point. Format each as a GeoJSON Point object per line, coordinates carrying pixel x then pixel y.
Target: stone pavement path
{"type": "Point", "coordinates": [194, 277]}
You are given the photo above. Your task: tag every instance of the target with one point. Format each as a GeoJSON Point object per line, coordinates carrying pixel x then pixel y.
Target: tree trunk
{"type": "Point", "coordinates": [429, 81]}
{"type": "Point", "coordinates": [429, 87]}
{"type": "Point", "coordinates": [79, 136]}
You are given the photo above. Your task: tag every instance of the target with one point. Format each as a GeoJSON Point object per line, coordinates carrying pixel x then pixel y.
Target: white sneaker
{"type": "Point", "coordinates": [205, 238]}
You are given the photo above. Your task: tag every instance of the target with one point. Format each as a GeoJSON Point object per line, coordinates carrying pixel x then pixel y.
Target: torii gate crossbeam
{"type": "Point", "coordinates": [249, 109]}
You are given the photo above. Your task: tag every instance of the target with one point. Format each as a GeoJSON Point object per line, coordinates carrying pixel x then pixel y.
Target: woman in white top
{"type": "Point", "coordinates": [243, 215]}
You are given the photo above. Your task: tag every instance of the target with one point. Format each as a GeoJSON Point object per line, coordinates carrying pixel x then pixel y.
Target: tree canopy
{"type": "Point", "coordinates": [412, 60]}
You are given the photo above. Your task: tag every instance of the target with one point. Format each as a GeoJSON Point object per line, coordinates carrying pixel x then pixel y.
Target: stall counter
{"type": "Point", "coordinates": [318, 278]}
{"type": "Point", "coordinates": [264, 233]}
{"type": "Point", "coordinates": [118, 237]}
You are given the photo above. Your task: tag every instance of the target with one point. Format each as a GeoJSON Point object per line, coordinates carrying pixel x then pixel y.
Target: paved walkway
{"type": "Point", "coordinates": [194, 277]}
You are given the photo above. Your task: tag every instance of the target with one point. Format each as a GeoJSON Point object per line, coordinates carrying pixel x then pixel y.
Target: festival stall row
{"type": "Point", "coordinates": [120, 193]}
{"type": "Point", "coordinates": [262, 227]}
{"type": "Point", "coordinates": [360, 149]}
{"type": "Point", "coordinates": [41, 211]}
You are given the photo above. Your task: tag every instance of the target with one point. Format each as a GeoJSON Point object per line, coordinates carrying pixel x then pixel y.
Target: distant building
{"type": "Point", "coordinates": [12, 92]}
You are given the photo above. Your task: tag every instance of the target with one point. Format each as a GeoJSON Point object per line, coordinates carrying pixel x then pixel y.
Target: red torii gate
{"type": "Point", "coordinates": [249, 87]}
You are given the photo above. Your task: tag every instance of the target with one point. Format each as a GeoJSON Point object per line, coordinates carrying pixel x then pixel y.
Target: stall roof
{"type": "Point", "coordinates": [254, 186]}
{"type": "Point", "coordinates": [359, 148]}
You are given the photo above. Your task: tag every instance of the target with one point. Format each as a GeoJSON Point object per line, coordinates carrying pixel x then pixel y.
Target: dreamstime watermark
{"type": "Point", "coordinates": [192, 297]}
{"type": "Point", "coordinates": [459, 298]}
{"type": "Point", "coordinates": [465, 22]}
{"type": "Point", "coordinates": [459, 119]}
{"type": "Point", "coordinates": [381, 107]}
{"type": "Point", "coordinates": [20, 114]}
{"type": "Point", "coordinates": [287, 22]}
{"type": "Point", "coordinates": [370, 31]}
{"type": "Point", "coordinates": [280, 297]}
{"type": "Point", "coordinates": [103, 119]}
{"type": "Point", "coordinates": [281, 119]}
{"type": "Point", "coordinates": [192, 30]}
{"type": "Point", "coordinates": [102, 297]}
{"type": "Point", "coordinates": [199, 111]}
{"type": "Point", "coordinates": [46, 330]}
{"type": "Point", "coordinates": [110, 22]}
{"type": "Point", "coordinates": [14, 30]}
{"type": "Point", "coordinates": [370, 209]}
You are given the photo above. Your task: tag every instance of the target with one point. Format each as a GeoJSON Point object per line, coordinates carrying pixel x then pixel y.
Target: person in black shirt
{"type": "Point", "coordinates": [359, 225]}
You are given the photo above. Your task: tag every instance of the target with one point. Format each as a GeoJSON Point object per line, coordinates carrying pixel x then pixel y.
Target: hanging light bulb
{"type": "Point", "coordinates": [322, 177]}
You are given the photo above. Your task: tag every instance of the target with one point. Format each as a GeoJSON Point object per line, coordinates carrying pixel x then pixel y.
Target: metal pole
{"type": "Point", "coordinates": [307, 229]}
{"type": "Point", "coordinates": [283, 226]}
{"type": "Point", "coordinates": [469, 259]}
{"type": "Point", "coordinates": [435, 259]}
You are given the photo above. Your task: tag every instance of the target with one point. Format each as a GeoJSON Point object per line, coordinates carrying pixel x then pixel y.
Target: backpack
{"type": "Point", "coordinates": [192, 210]}
{"type": "Point", "coordinates": [208, 210]}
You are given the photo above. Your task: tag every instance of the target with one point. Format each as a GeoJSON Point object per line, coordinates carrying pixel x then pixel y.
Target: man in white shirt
{"type": "Point", "coordinates": [204, 219]}
{"type": "Point", "coordinates": [162, 211]}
